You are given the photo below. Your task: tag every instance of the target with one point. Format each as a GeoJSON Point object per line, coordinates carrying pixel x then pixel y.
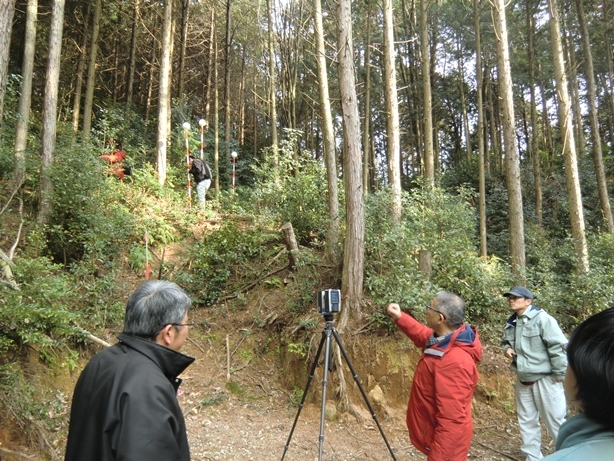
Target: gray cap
{"type": "Point", "coordinates": [520, 292]}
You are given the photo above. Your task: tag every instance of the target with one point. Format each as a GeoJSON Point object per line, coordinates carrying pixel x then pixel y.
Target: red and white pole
{"type": "Point", "coordinates": [203, 123]}
{"type": "Point", "coordinates": [186, 129]}
{"type": "Point", "coordinates": [234, 163]}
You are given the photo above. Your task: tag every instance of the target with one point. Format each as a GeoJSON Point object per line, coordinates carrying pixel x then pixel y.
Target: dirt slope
{"type": "Point", "coordinates": [248, 415]}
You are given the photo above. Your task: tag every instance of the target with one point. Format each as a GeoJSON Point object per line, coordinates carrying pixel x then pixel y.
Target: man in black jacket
{"type": "Point", "coordinates": [125, 401]}
{"type": "Point", "coordinates": [202, 178]}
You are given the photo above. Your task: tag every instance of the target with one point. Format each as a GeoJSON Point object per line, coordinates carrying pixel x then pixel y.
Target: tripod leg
{"type": "Point", "coordinates": [362, 391]}
{"type": "Point", "coordinates": [309, 379]}
{"type": "Point", "coordinates": [327, 365]}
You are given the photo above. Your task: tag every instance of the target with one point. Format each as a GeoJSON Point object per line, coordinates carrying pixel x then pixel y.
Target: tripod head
{"type": "Point", "coordinates": [328, 317]}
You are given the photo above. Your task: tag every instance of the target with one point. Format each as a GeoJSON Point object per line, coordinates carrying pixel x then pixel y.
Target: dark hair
{"type": "Point", "coordinates": [153, 305]}
{"type": "Point", "coordinates": [590, 354]}
{"type": "Point", "coordinates": [452, 306]}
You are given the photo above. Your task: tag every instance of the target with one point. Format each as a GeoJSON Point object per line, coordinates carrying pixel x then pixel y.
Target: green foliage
{"type": "Point", "coordinates": [293, 191]}
{"type": "Point", "coordinates": [443, 225]}
{"type": "Point", "coordinates": [299, 349]}
{"type": "Point", "coordinates": [39, 314]}
{"type": "Point", "coordinates": [88, 218]}
{"type": "Point", "coordinates": [224, 255]}
{"type": "Point", "coordinates": [32, 408]}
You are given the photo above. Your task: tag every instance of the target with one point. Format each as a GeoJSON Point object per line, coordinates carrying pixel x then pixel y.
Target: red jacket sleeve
{"type": "Point", "coordinates": [417, 332]}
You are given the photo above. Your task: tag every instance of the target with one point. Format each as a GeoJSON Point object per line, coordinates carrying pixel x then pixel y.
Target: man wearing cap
{"type": "Point", "coordinates": [534, 342]}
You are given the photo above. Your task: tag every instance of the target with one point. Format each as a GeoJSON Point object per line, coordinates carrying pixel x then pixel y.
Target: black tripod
{"type": "Point", "coordinates": [329, 332]}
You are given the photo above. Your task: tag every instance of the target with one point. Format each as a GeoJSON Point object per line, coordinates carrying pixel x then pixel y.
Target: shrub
{"type": "Point", "coordinates": [442, 224]}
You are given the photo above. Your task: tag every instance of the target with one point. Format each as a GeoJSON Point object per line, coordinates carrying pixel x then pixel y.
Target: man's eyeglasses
{"type": "Point", "coordinates": [514, 298]}
{"type": "Point", "coordinates": [183, 324]}
{"type": "Point", "coordinates": [439, 312]}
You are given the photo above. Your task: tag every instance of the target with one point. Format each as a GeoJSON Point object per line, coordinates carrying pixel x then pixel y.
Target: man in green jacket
{"type": "Point", "coordinates": [533, 341]}
{"type": "Point", "coordinates": [125, 401]}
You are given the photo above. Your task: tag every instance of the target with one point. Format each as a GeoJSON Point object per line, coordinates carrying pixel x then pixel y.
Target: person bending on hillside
{"type": "Point", "coordinates": [533, 340]}
{"type": "Point", "coordinates": [202, 178]}
{"type": "Point", "coordinates": [439, 410]}
{"type": "Point", "coordinates": [125, 401]}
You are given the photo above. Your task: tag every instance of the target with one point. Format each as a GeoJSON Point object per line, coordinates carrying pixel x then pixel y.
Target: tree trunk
{"type": "Point", "coordinates": [227, 48]}
{"type": "Point", "coordinates": [272, 99]}
{"type": "Point", "coordinates": [425, 259]}
{"type": "Point", "coordinates": [216, 118]}
{"type": "Point", "coordinates": [514, 188]}
{"type": "Point", "coordinates": [133, 44]}
{"type": "Point", "coordinates": [366, 140]}
{"type": "Point", "coordinates": [91, 72]}
{"type": "Point", "coordinates": [76, 106]}
{"type": "Point", "coordinates": [429, 171]}
{"type": "Point", "coordinates": [572, 70]}
{"type": "Point", "coordinates": [185, 12]}
{"type": "Point", "coordinates": [480, 127]}
{"type": "Point", "coordinates": [25, 98]}
{"type": "Point", "coordinates": [569, 148]}
{"type": "Point", "coordinates": [602, 188]}
{"type": "Point", "coordinates": [534, 144]}
{"type": "Point", "coordinates": [50, 107]}
{"type": "Point", "coordinates": [392, 114]}
{"type": "Point", "coordinates": [353, 256]}
{"type": "Point", "coordinates": [164, 96]}
{"type": "Point", "coordinates": [7, 11]}
{"type": "Point", "coordinates": [210, 64]}
{"type": "Point", "coordinates": [328, 136]}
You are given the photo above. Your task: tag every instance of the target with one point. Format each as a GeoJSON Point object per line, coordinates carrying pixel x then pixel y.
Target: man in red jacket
{"type": "Point", "coordinates": [439, 409]}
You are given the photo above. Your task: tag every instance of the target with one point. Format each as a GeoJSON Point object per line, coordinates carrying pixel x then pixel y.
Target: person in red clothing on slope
{"type": "Point", "coordinates": [439, 410]}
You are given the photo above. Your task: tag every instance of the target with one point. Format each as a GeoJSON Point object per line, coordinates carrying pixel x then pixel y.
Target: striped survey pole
{"type": "Point", "coordinates": [186, 129]}
{"type": "Point", "coordinates": [203, 123]}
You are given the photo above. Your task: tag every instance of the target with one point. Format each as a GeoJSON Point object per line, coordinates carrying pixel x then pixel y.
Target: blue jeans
{"type": "Point", "coordinates": [201, 190]}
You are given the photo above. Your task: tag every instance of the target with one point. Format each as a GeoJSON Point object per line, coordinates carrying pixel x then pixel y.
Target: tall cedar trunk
{"type": "Point", "coordinates": [272, 99]}
{"type": "Point", "coordinates": [429, 172]}
{"type": "Point", "coordinates": [480, 127]}
{"type": "Point", "coordinates": [604, 199]}
{"type": "Point", "coordinates": [116, 70]}
{"type": "Point", "coordinates": [574, 195]}
{"type": "Point", "coordinates": [25, 98]}
{"type": "Point", "coordinates": [425, 263]}
{"type": "Point", "coordinates": [216, 117]}
{"type": "Point", "coordinates": [328, 136]}
{"type": "Point", "coordinates": [210, 64]}
{"type": "Point", "coordinates": [164, 97]}
{"type": "Point", "coordinates": [227, 48]}
{"type": "Point", "coordinates": [50, 108]}
{"type": "Point", "coordinates": [514, 189]}
{"type": "Point", "coordinates": [242, 101]}
{"type": "Point", "coordinates": [535, 144]}
{"type": "Point", "coordinates": [461, 85]}
{"type": "Point", "coordinates": [150, 79]}
{"type": "Point", "coordinates": [7, 11]}
{"type": "Point", "coordinates": [91, 72]}
{"type": "Point", "coordinates": [76, 106]}
{"type": "Point", "coordinates": [366, 140]}
{"type": "Point", "coordinates": [392, 114]}
{"type": "Point", "coordinates": [185, 12]}
{"type": "Point", "coordinates": [354, 248]}
{"type": "Point", "coordinates": [546, 127]}
{"type": "Point", "coordinates": [571, 70]}
{"type": "Point", "coordinates": [610, 58]}
{"type": "Point", "coordinates": [132, 63]}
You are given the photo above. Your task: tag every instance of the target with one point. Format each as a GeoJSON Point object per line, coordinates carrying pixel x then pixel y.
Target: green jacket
{"type": "Point", "coordinates": [538, 341]}
{"type": "Point", "coordinates": [581, 439]}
